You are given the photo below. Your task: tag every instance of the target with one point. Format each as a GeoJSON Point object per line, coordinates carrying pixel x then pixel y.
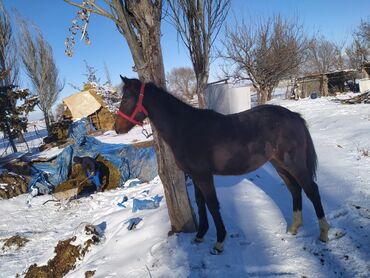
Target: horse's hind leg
{"type": "Point", "coordinates": [311, 190]}
{"type": "Point", "coordinates": [206, 187]}
{"type": "Point", "coordinates": [296, 192]}
{"type": "Point", "coordinates": [202, 212]}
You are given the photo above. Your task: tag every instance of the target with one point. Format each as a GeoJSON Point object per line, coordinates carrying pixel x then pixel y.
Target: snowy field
{"type": "Point", "coordinates": [256, 208]}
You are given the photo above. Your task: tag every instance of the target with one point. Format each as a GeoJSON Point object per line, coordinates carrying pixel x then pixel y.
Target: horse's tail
{"type": "Point", "coordinates": [311, 155]}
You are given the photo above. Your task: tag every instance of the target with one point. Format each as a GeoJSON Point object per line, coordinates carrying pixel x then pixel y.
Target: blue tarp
{"type": "Point", "coordinates": [151, 203]}
{"type": "Point", "coordinates": [132, 162]}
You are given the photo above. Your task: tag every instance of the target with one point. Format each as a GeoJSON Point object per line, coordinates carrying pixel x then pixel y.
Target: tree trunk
{"type": "Point", "coordinates": [324, 86]}
{"type": "Point", "coordinates": [200, 90]}
{"type": "Point", "coordinates": [140, 22]}
{"type": "Point", "coordinates": [269, 93]}
{"type": "Point", "coordinates": [263, 96]}
{"type": "Point", "coordinates": [10, 137]}
{"type": "Point", "coordinates": [47, 122]}
{"type": "Point", "coordinates": [180, 211]}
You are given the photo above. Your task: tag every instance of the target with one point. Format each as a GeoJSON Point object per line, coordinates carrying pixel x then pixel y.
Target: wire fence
{"type": "Point", "coordinates": [32, 140]}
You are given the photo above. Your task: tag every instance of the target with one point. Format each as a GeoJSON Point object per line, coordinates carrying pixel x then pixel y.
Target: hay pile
{"type": "Point", "coordinates": [75, 179]}
{"type": "Point", "coordinates": [110, 177]}
{"type": "Point", "coordinates": [103, 118]}
{"type": "Point", "coordinates": [12, 185]}
{"type": "Point", "coordinates": [59, 130]}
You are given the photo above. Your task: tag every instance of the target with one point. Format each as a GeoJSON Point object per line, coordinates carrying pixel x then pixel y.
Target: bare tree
{"type": "Point", "coordinates": [359, 51]}
{"type": "Point", "coordinates": [107, 76]}
{"type": "Point", "coordinates": [323, 56]}
{"type": "Point", "coordinates": [362, 36]}
{"type": "Point", "coordinates": [139, 22]}
{"type": "Point", "coordinates": [38, 61]}
{"type": "Point", "coordinates": [356, 55]}
{"type": "Point", "coordinates": [264, 52]}
{"type": "Point", "coordinates": [198, 23]}
{"type": "Point", "coordinates": [182, 80]}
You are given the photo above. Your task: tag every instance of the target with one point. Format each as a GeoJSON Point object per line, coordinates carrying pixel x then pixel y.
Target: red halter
{"type": "Point", "coordinates": [139, 108]}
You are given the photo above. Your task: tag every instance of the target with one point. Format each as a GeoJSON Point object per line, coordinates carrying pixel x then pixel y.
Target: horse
{"type": "Point", "coordinates": [206, 143]}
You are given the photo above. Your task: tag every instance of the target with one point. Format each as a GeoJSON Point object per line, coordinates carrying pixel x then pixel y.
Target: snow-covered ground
{"type": "Point", "coordinates": [256, 208]}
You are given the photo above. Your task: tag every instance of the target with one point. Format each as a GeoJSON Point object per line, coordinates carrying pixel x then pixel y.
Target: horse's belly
{"type": "Point", "coordinates": [236, 168]}
{"type": "Point", "coordinates": [229, 162]}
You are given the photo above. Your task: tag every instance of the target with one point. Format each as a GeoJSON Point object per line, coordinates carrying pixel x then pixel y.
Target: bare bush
{"type": "Point", "coordinates": [182, 80]}
{"type": "Point", "coordinates": [264, 52]}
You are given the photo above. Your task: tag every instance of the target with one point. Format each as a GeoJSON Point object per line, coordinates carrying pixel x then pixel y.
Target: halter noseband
{"type": "Point", "coordinates": [139, 108]}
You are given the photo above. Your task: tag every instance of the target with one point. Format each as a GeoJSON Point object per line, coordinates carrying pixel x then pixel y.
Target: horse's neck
{"type": "Point", "coordinates": [165, 111]}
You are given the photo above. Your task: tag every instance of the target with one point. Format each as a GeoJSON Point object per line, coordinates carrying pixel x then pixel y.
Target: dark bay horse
{"type": "Point", "coordinates": [206, 143]}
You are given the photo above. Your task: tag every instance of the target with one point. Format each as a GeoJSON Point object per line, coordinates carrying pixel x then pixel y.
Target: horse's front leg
{"type": "Point", "coordinates": [207, 189]}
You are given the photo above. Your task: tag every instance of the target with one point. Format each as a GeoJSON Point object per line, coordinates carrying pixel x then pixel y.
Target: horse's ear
{"type": "Point", "coordinates": [125, 80]}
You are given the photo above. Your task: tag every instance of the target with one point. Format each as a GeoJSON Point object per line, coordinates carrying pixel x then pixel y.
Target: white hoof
{"type": "Point", "coordinates": [218, 248]}
{"type": "Point", "coordinates": [197, 240]}
{"type": "Point", "coordinates": [324, 230]}
{"type": "Point", "coordinates": [296, 223]}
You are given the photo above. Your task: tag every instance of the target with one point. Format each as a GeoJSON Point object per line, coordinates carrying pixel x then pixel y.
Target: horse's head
{"type": "Point", "coordinates": [131, 112]}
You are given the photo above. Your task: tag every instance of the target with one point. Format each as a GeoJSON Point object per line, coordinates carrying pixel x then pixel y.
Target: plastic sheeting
{"type": "Point", "coordinates": [151, 203]}
{"type": "Point", "coordinates": [132, 162]}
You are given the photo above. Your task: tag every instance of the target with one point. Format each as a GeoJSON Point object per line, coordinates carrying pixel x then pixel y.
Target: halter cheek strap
{"type": "Point", "coordinates": [139, 108]}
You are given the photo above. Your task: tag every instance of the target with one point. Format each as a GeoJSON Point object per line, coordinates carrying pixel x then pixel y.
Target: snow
{"type": "Point", "coordinates": [47, 154]}
{"type": "Point", "coordinates": [256, 209]}
{"type": "Point", "coordinates": [133, 136]}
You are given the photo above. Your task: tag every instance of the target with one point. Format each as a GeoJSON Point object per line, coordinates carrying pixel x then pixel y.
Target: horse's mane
{"type": "Point", "coordinates": [170, 99]}
{"type": "Point", "coordinates": [173, 102]}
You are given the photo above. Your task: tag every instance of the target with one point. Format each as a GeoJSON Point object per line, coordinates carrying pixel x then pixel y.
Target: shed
{"type": "Point", "coordinates": [327, 83]}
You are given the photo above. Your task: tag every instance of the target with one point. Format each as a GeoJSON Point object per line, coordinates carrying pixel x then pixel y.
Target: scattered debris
{"type": "Point", "coordinates": [361, 98]}
{"type": "Point", "coordinates": [12, 185]}
{"type": "Point", "coordinates": [66, 256]}
{"type": "Point", "coordinates": [121, 204]}
{"type": "Point", "coordinates": [152, 203]}
{"type": "Point", "coordinates": [132, 223]}
{"type": "Point", "coordinates": [90, 273]}
{"type": "Point", "coordinates": [14, 242]}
